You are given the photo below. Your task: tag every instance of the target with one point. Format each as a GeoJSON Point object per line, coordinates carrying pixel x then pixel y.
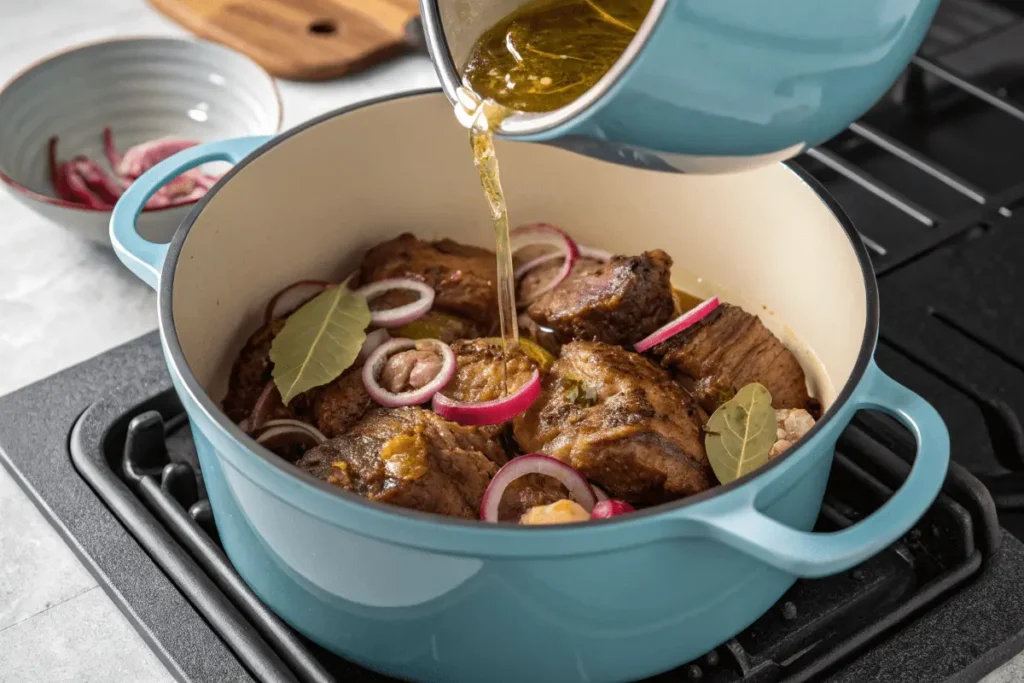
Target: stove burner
{"type": "Point", "coordinates": [135, 450]}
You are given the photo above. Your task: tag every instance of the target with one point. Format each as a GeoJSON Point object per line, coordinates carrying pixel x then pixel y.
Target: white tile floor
{"type": "Point", "coordinates": [56, 624]}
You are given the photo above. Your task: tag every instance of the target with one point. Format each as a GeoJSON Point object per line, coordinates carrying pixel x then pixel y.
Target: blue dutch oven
{"type": "Point", "coordinates": [429, 598]}
{"type": "Point", "coordinates": [711, 86]}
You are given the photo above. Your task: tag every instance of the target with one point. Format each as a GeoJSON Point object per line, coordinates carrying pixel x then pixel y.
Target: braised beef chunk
{"type": "Point", "coordinates": [464, 277]}
{"type": "Point", "coordinates": [618, 302]}
{"type": "Point", "coordinates": [340, 404]}
{"type": "Point", "coordinates": [412, 458]}
{"type": "Point", "coordinates": [621, 421]}
{"type": "Point", "coordinates": [331, 408]}
{"type": "Point", "coordinates": [251, 372]}
{"type": "Point", "coordinates": [527, 492]}
{"type": "Point", "coordinates": [479, 375]}
{"type": "Point", "coordinates": [730, 349]}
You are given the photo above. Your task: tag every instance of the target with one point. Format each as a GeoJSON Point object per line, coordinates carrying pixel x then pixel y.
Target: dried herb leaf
{"type": "Point", "coordinates": [578, 393]}
{"type": "Point", "coordinates": [741, 433]}
{"type": "Point", "coordinates": [319, 341]}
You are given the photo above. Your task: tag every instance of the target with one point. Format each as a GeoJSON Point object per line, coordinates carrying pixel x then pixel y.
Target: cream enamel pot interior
{"type": "Point", "coordinates": [429, 598]}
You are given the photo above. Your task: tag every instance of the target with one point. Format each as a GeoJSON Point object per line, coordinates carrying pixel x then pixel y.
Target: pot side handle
{"type": "Point", "coordinates": [811, 555]}
{"type": "Point", "coordinates": [145, 258]}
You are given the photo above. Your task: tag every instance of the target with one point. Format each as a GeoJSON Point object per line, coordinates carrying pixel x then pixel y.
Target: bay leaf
{"type": "Point", "coordinates": [740, 434]}
{"type": "Point", "coordinates": [319, 341]}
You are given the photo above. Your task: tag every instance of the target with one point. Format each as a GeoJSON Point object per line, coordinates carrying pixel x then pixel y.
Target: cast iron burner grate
{"type": "Point", "coordinates": [136, 452]}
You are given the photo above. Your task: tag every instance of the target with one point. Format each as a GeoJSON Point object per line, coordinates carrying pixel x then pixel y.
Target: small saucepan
{"type": "Point", "coordinates": [431, 598]}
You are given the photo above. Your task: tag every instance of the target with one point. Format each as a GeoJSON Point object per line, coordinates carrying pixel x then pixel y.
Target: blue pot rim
{"type": "Point", "coordinates": [474, 529]}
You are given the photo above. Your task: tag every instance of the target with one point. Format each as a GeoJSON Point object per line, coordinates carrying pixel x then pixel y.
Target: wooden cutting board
{"type": "Point", "coordinates": [304, 40]}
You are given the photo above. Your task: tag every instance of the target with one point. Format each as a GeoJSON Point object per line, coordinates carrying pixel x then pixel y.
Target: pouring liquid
{"type": "Point", "coordinates": [482, 144]}
{"type": "Point", "coordinates": [539, 58]}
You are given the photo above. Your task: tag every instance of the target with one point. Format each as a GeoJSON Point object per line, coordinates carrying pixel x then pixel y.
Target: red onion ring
{"type": "Point", "coordinates": [400, 315]}
{"type": "Point", "coordinates": [274, 428]}
{"type": "Point", "coordinates": [489, 412]}
{"type": "Point", "coordinates": [260, 409]}
{"type": "Point", "coordinates": [535, 463]}
{"type": "Point", "coordinates": [670, 329]}
{"type": "Point", "coordinates": [292, 297]}
{"type": "Point", "coordinates": [595, 254]}
{"type": "Point", "coordinates": [599, 492]}
{"type": "Point", "coordinates": [525, 268]}
{"type": "Point", "coordinates": [544, 233]}
{"type": "Point", "coordinates": [375, 363]}
{"type": "Point", "coordinates": [373, 340]}
{"type": "Point", "coordinates": [612, 507]}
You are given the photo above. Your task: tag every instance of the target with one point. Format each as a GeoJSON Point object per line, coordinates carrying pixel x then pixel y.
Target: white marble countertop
{"type": "Point", "coordinates": [63, 300]}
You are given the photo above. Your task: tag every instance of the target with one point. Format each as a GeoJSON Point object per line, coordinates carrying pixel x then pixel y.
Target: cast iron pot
{"type": "Point", "coordinates": [430, 598]}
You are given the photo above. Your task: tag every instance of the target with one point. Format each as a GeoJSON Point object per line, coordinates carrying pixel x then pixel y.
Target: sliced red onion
{"type": "Point", "coordinates": [261, 409]}
{"type": "Point", "coordinates": [97, 179]}
{"type": "Point", "coordinates": [373, 340]}
{"type": "Point", "coordinates": [535, 463]}
{"type": "Point", "coordinates": [110, 150]}
{"type": "Point", "coordinates": [544, 233]}
{"type": "Point", "coordinates": [611, 508]}
{"type": "Point", "coordinates": [375, 364]}
{"type": "Point", "coordinates": [273, 433]}
{"type": "Point", "coordinates": [79, 190]}
{"type": "Point", "coordinates": [292, 425]}
{"type": "Point", "coordinates": [599, 492]}
{"type": "Point", "coordinates": [145, 155]}
{"type": "Point", "coordinates": [595, 254]}
{"type": "Point", "coordinates": [489, 412]}
{"type": "Point", "coordinates": [400, 315]}
{"type": "Point", "coordinates": [293, 296]}
{"type": "Point", "coordinates": [692, 316]}
{"type": "Point", "coordinates": [525, 268]}
{"type": "Point", "coordinates": [57, 170]}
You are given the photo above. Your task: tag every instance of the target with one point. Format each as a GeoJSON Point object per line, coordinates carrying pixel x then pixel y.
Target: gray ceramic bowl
{"type": "Point", "coordinates": [143, 88]}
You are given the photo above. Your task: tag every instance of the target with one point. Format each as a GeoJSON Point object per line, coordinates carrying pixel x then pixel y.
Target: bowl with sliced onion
{"type": "Point", "coordinates": [78, 127]}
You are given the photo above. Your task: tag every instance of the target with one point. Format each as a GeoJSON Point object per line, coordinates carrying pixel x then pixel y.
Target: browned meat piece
{"type": "Point", "coordinates": [530, 491]}
{"type": "Point", "coordinates": [730, 349]}
{"type": "Point", "coordinates": [464, 277]}
{"type": "Point", "coordinates": [539, 276]}
{"type": "Point", "coordinates": [331, 408]}
{"type": "Point", "coordinates": [618, 302]}
{"type": "Point", "coordinates": [620, 420]}
{"type": "Point", "coordinates": [251, 372]}
{"type": "Point", "coordinates": [412, 458]}
{"type": "Point", "coordinates": [340, 404]}
{"type": "Point", "coordinates": [479, 375]}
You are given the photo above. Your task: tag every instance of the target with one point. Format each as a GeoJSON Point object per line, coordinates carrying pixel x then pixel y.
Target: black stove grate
{"type": "Point", "coordinates": [136, 452]}
{"type": "Point", "coordinates": [941, 153]}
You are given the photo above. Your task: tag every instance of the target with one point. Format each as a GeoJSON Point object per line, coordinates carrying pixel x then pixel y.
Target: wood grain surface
{"type": "Point", "coordinates": [304, 40]}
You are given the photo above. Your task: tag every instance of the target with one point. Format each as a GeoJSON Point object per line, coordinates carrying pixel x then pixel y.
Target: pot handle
{"type": "Point", "coordinates": [811, 555]}
{"type": "Point", "coordinates": [145, 258]}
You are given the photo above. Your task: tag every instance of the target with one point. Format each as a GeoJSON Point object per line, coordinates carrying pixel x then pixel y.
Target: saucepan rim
{"type": "Point", "coordinates": [205, 402]}
{"type": "Point", "coordinates": [531, 124]}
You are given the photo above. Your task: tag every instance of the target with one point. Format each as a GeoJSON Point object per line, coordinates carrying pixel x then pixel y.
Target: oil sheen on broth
{"type": "Point", "coordinates": [537, 59]}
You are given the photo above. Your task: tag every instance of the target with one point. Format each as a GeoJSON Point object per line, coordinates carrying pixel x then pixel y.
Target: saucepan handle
{"type": "Point", "coordinates": [145, 258]}
{"type": "Point", "coordinates": [808, 554]}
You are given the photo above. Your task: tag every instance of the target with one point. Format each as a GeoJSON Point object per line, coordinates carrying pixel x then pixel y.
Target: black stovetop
{"type": "Point", "coordinates": [934, 179]}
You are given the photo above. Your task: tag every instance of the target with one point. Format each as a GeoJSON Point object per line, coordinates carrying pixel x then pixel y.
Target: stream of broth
{"type": "Point", "coordinates": [539, 58]}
